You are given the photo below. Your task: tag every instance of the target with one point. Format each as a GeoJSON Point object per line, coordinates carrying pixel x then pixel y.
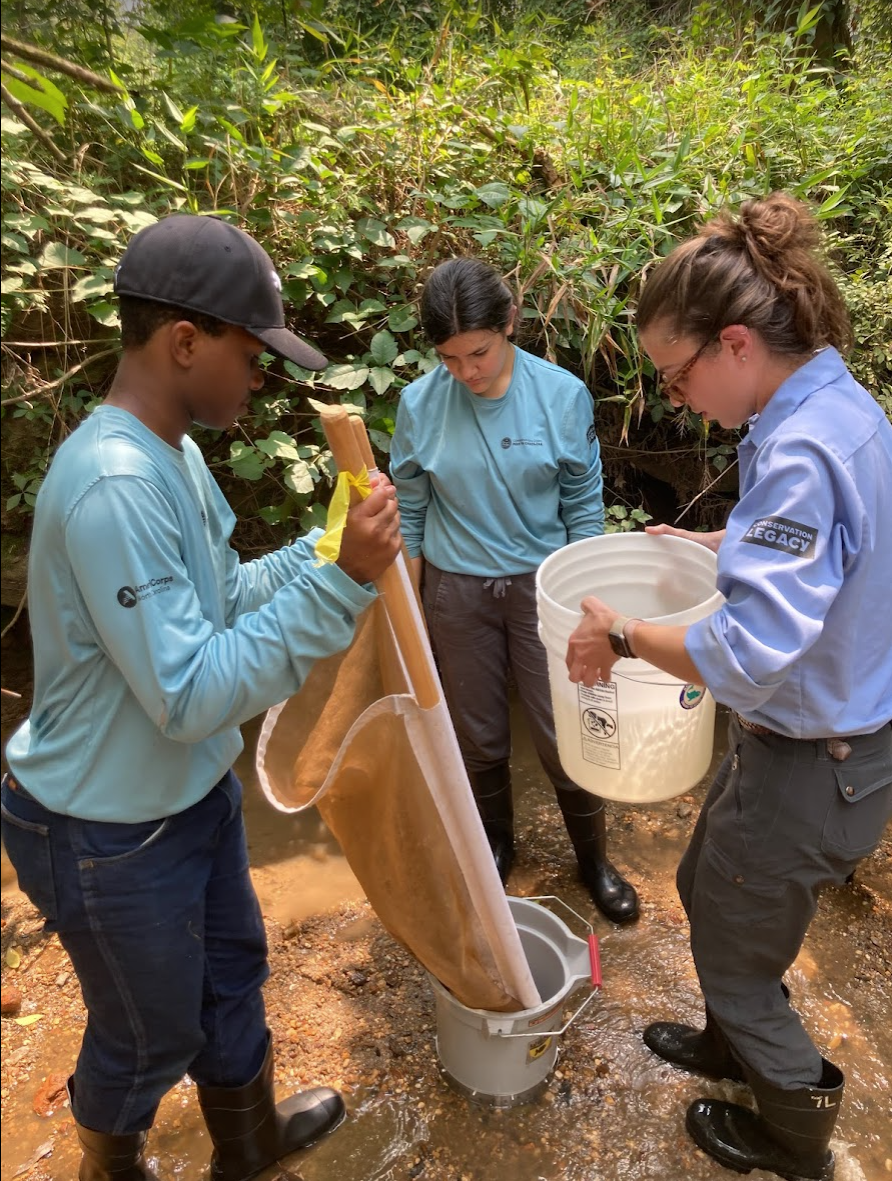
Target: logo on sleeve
{"type": "Point", "coordinates": [791, 537]}
{"type": "Point", "coordinates": [590, 435]}
{"type": "Point", "coordinates": [129, 596]}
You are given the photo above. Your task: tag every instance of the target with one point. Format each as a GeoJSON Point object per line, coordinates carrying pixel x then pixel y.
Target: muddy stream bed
{"type": "Point", "coordinates": [351, 1008]}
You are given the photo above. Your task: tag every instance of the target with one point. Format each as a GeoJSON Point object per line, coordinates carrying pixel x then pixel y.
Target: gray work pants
{"type": "Point", "coordinates": [479, 628]}
{"type": "Point", "coordinates": [781, 821]}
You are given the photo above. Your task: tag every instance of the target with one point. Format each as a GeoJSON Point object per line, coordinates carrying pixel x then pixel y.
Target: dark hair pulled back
{"type": "Point", "coordinates": [762, 269]}
{"type": "Point", "coordinates": [464, 295]}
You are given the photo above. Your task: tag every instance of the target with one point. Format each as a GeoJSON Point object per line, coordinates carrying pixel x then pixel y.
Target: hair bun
{"type": "Point", "coordinates": [775, 226]}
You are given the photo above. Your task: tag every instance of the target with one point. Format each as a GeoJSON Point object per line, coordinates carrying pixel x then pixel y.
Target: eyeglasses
{"type": "Point", "coordinates": [669, 385]}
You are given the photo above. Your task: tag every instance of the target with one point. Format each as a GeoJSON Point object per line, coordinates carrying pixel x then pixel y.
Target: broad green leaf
{"type": "Point", "coordinates": [415, 228]}
{"type": "Point", "coordinates": [381, 380]}
{"type": "Point", "coordinates": [34, 97]}
{"type": "Point", "coordinates": [99, 283]}
{"type": "Point", "coordinates": [278, 445]}
{"type": "Point", "coordinates": [383, 348]}
{"type": "Point", "coordinates": [98, 213]}
{"type": "Point", "coordinates": [402, 319]}
{"type": "Point", "coordinates": [318, 406]}
{"type": "Point", "coordinates": [246, 461]}
{"type": "Point", "coordinates": [188, 121]}
{"type": "Point", "coordinates": [493, 194]}
{"type": "Point", "coordinates": [299, 373]}
{"type": "Point", "coordinates": [104, 313]}
{"type": "Point", "coordinates": [380, 440]}
{"type": "Point", "coordinates": [345, 377]}
{"type": "Point", "coordinates": [299, 478]}
{"type": "Point", "coordinates": [374, 231]}
{"type": "Point", "coordinates": [56, 255]}
{"type": "Point", "coordinates": [306, 269]}
{"type": "Point", "coordinates": [314, 517]}
{"type": "Point", "coordinates": [14, 242]}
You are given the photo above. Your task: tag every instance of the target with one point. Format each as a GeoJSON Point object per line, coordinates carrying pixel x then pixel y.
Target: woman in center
{"type": "Point", "coordinates": [497, 465]}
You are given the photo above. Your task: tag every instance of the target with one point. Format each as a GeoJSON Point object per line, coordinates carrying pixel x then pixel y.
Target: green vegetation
{"type": "Point", "coordinates": [362, 142]}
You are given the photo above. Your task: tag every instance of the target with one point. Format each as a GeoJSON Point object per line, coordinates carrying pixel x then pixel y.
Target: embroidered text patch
{"type": "Point", "coordinates": [792, 537]}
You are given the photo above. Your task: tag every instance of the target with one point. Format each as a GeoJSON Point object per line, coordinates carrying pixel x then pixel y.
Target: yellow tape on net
{"type": "Point", "coordinates": [328, 547]}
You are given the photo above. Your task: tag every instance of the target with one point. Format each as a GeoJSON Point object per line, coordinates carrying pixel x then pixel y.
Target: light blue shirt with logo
{"type": "Point", "coordinates": [152, 640]}
{"type": "Point", "coordinates": [803, 644]}
{"type": "Point", "coordinates": [492, 486]}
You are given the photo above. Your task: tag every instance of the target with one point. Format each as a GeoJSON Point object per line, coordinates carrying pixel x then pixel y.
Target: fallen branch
{"type": "Point", "coordinates": [19, 75]}
{"type": "Point", "coordinates": [50, 61]}
{"type": "Point", "coordinates": [691, 503]}
{"type": "Point", "coordinates": [44, 390]}
{"type": "Point", "coordinates": [22, 601]}
{"type": "Point", "coordinates": [19, 111]}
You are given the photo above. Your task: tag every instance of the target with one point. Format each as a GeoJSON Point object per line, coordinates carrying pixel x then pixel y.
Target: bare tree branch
{"type": "Point", "coordinates": [50, 61]}
{"type": "Point", "coordinates": [47, 389]}
{"type": "Point", "coordinates": [16, 107]}
{"type": "Point", "coordinates": [19, 75]}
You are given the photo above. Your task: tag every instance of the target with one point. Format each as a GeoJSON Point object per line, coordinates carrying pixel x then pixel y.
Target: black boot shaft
{"type": "Point", "coordinates": [250, 1131]}
{"type": "Point", "coordinates": [113, 1158]}
{"type": "Point", "coordinates": [585, 818]}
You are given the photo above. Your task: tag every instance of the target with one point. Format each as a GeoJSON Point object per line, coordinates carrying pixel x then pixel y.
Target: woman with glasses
{"type": "Point", "coordinates": [496, 465]}
{"type": "Point", "coordinates": [746, 326]}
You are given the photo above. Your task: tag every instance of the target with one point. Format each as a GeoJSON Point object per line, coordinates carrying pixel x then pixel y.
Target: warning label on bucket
{"type": "Point", "coordinates": [598, 724]}
{"type": "Point", "coordinates": [538, 1048]}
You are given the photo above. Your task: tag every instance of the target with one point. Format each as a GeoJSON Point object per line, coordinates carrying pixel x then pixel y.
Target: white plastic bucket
{"type": "Point", "coordinates": [504, 1059]}
{"type": "Point", "coordinates": [644, 736]}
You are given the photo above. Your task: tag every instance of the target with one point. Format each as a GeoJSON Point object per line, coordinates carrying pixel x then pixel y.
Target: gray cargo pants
{"type": "Point", "coordinates": [479, 628]}
{"type": "Point", "coordinates": [781, 821]}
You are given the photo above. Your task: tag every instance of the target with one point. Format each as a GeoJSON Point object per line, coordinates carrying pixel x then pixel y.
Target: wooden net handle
{"type": "Point", "coordinates": [349, 455]}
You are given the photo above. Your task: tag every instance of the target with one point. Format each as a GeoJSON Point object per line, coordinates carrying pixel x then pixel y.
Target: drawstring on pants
{"type": "Point", "coordinates": [499, 586]}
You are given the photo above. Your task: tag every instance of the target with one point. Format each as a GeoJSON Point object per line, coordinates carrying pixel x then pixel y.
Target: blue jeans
{"type": "Point", "coordinates": [164, 930]}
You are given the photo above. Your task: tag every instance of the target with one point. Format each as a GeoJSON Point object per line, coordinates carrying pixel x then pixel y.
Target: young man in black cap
{"type": "Point", "coordinates": [152, 643]}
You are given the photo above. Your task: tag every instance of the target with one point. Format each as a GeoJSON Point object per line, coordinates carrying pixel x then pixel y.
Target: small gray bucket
{"type": "Point", "coordinates": [504, 1059]}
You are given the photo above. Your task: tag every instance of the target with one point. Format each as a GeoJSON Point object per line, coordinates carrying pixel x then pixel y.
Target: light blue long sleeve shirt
{"type": "Point", "coordinates": [492, 486]}
{"type": "Point", "coordinates": [803, 644]}
{"type": "Point", "coordinates": [152, 641]}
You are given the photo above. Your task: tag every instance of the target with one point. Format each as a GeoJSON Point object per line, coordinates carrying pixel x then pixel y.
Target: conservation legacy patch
{"type": "Point", "coordinates": [792, 537]}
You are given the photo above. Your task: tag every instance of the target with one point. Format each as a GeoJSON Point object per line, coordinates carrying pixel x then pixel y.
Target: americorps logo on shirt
{"type": "Point", "coordinates": [780, 533]}
{"type": "Point", "coordinates": [129, 596]}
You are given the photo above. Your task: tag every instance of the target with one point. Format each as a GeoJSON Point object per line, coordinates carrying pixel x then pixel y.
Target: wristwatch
{"type": "Point", "coordinates": [617, 637]}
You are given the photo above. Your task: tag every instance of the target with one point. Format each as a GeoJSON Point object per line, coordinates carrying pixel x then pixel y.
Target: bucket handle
{"type": "Point", "coordinates": [594, 961]}
{"type": "Point", "coordinates": [551, 1032]}
{"type": "Point", "coordinates": [594, 953]}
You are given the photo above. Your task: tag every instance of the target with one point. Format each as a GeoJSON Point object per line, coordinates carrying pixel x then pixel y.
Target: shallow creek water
{"type": "Point", "coordinates": [612, 1111]}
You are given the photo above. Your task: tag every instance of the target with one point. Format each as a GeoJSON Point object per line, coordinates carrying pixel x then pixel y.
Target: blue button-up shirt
{"type": "Point", "coordinates": [803, 643]}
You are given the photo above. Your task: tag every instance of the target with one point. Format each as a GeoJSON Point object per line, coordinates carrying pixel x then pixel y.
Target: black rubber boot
{"type": "Point", "coordinates": [113, 1158]}
{"type": "Point", "coordinates": [250, 1131]}
{"type": "Point", "coordinates": [586, 821]}
{"type": "Point", "coordinates": [495, 803]}
{"type": "Point", "coordinates": [701, 1051]}
{"type": "Point", "coordinates": [789, 1136]}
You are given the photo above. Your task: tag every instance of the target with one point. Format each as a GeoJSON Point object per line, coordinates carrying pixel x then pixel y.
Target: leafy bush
{"type": "Point", "coordinates": [570, 154]}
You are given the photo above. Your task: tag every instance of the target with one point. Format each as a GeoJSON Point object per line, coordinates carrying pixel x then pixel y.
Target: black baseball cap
{"type": "Point", "coordinates": [206, 265]}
